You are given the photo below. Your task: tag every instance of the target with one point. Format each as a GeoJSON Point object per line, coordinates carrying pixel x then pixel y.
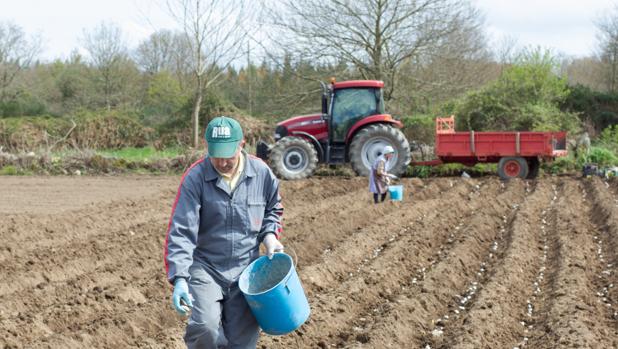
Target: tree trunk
{"type": "Point", "coordinates": [196, 118]}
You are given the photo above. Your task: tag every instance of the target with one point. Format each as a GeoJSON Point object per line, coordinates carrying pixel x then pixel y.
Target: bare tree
{"type": "Point", "coordinates": [587, 71]}
{"type": "Point", "coordinates": [458, 62]}
{"type": "Point", "coordinates": [166, 50]}
{"type": "Point", "coordinates": [107, 50]}
{"type": "Point", "coordinates": [214, 32]}
{"type": "Point", "coordinates": [506, 50]}
{"type": "Point", "coordinates": [16, 53]}
{"type": "Point", "coordinates": [608, 47]}
{"type": "Point", "coordinates": [376, 36]}
{"type": "Point", "coordinates": [157, 52]}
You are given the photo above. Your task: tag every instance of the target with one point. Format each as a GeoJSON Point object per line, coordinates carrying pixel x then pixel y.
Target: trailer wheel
{"type": "Point", "coordinates": [533, 166]}
{"type": "Point", "coordinates": [368, 143]}
{"type": "Point", "coordinates": [512, 167]}
{"type": "Point", "coordinates": [293, 158]}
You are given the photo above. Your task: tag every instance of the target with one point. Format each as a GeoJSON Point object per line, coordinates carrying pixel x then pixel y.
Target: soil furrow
{"type": "Point", "coordinates": [378, 282]}
{"type": "Point", "coordinates": [572, 316]}
{"type": "Point", "coordinates": [506, 300]}
{"type": "Point", "coordinates": [444, 293]}
{"type": "Point", "coordinates": [332, 222]}
{"type": "Point", "coordinates": [53, 232]}
{"type": "Point", "coordinates": [465, 263]}
{"type": "Point", "coordinates": [605, 218]}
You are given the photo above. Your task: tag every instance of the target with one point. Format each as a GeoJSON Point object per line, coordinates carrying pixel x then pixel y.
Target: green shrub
{"type": "Point", "coordinates": [419, 128]}
{"type": "Point", "coordinates": [418, 171]}
{"type": "Point", "coordinates": [598, 109]}
{"type": "Point", "coordinates": [109, 130]}
{"type": "Point", "coordinates": [602, 157]}
{"type": "Point", "coordinates": [145, 153]}
{"type": "Point", "coordinates": [24, 104]}
{"type": "Point", "coordinates": [609, 138]}
{"type": "Point", "coordinates": [8, 171]}
{"type": "Point", "coordinates": [526, 97]}
{"type": "Point", "coordinates": [452, 169]}
{"type": "Point", "coordinates": [561, 165]}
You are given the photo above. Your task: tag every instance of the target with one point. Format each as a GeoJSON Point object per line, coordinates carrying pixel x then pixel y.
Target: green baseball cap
{"type": "Point", "coordinates": [223, 135]}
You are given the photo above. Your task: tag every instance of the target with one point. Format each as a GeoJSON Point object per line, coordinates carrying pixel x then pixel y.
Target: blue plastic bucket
{"type": "Point", "coordinates": [396, 192]}
{"type": "Point", "coordinates": [274, 293]}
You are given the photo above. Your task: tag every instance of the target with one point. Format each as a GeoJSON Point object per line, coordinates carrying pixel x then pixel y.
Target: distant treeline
{"type": "Point", "coordinates": [433, 56]}
{"type": "Point", "coordinates": [147, 107]}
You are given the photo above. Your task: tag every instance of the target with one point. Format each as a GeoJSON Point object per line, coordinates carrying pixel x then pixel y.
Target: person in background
{"type": "Point", "coordinates": [583, 145]}
{"type": "Point", "coordinates": [379, 179]}
{"type": "Point", "coordinates": [227, 205]}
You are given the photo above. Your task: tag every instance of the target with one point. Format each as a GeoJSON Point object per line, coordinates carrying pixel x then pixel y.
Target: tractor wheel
{"type": "Point", "coordinates": [512, 167]}
{"type": "Point", "coordinates": [533, 166]}
{"type": "Point", "coordinates": [293, 158]}
{"type": "Point", "coordinates": [368, 143]}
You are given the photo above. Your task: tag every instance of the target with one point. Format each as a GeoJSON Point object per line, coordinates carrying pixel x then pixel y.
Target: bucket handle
{"type": "Point", "coordinates": [295, 259]}
{"type": "Point", "coordinates": [295, 256]}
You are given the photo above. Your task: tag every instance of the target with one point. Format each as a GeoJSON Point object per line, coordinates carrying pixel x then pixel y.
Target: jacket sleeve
{"type": "Point", "coordinates": [182, 231]}
{"type": "Point", "coordinates": [273, 212]}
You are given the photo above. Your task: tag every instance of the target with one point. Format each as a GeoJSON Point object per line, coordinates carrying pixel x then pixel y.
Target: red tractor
{"type": "Point", "coordinates": [353, 127]}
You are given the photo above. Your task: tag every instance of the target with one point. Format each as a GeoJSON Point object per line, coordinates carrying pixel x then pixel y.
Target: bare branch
{"type": "Point", "coordinates": [376, 36]}
{"type": "Point", "coordinates": [16, 53]}
{"type": "Point", "coordinates": [215, 33]}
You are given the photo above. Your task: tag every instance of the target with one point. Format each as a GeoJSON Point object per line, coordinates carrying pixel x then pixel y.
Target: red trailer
{"type": "Point", "coordinates": [518, 154]}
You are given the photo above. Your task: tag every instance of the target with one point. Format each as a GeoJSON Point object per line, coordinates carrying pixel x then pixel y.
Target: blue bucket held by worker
{"type": "Point", "coordinates": [274, 294]}
{"type": "Point", "coordinates": [396, 192]}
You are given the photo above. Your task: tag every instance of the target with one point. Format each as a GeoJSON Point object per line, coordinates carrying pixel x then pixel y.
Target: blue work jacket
{"type": "Point", "coordinates": [219, 228]}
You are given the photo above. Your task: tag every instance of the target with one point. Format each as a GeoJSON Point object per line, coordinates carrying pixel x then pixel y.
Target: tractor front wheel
{"type": "Point", "coordinates": [368, 144]}
{"type": "Point", "coordinates": [293, 158]}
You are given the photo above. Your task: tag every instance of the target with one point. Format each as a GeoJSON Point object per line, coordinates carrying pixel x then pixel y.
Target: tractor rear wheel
{"type": "Point", "coordinates": [512, 167]}
{"type": "Point", "coordinates": [293, 158]}
{"type": "Point", "coordinates": [367, 146]}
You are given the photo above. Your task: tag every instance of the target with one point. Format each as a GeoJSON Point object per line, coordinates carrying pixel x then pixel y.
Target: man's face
{"type": "Point", "coordinates": [388, 156]}
{"type": "Point", "coordinates": [228, 165]}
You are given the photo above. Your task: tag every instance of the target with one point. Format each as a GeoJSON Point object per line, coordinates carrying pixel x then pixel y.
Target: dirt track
{"type": "Point", "coordinates": [458, 264]}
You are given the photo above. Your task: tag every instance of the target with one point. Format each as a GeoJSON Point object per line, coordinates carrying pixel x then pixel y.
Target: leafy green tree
{"type": "Point", "coordinates": [526, 96]}
{"type": "Point", "coordinates": [163, 99]}
{"type": "Point", "coordinates": [597, 109]}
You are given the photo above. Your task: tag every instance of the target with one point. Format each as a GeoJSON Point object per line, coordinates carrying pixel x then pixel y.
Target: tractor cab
{"type": "Point", "coordinates": [352, 127]}
{"type": "Point", "coordinates": [352, 102]}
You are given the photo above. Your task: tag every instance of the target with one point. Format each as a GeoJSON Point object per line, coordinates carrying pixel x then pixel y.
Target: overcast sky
{"type": "Point", "coordinates": [566, 26]}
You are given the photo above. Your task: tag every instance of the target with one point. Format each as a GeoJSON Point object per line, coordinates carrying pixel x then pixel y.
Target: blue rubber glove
{"type": "Point", "coordinates": [181, 292]}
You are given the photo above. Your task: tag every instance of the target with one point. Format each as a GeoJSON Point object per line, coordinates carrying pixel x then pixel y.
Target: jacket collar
{"type": "Point", "coordinates": [211, 174]}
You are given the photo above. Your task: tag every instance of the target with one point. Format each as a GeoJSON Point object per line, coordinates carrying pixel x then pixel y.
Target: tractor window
{"type": "Point", "coordinates": [352, 104]}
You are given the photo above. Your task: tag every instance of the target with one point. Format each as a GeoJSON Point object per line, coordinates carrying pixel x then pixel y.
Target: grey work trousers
{"type": "Point", "coordinates": [218, 311]}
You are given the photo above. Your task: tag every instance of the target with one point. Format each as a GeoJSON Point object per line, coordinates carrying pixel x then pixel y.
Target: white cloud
{"type": "Point", "coordinates": [564, 26]}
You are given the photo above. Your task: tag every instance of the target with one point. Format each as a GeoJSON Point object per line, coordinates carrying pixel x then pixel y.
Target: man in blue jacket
{"type": "Point", "coordinates": [227, 204]}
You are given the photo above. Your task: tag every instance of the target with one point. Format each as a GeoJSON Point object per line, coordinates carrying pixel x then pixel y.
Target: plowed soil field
{"type": "Point", "coordinates": [459, 263]}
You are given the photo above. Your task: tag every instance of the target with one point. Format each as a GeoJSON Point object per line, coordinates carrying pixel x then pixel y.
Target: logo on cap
{"type": "Point", "coordinates": [221, 132]}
